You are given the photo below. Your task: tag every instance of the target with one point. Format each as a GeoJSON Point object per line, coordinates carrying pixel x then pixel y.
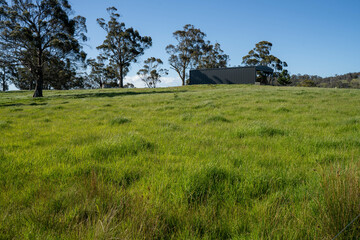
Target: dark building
{"type": "Point", "coordinates": [235, 75]}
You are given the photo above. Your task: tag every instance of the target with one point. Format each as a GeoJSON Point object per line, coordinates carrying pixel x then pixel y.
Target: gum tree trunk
{"type": "Point", "coordinates": [183, 77]}
{"type": "Point", "coordinates": [39, 87]}
{"type": "Point", "coordinates": [121, 83]}
{"type": "Point", "coordinates": [40, 80]}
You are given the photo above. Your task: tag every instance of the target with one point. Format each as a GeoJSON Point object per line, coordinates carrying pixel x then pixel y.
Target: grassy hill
{"type": "Point", "coordinates": [210, 162]}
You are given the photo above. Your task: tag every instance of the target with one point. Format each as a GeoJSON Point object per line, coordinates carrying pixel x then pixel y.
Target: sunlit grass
{"type": "Point", "coordinates": [212, 162]}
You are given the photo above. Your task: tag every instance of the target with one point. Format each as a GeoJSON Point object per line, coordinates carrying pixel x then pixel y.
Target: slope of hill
{"type": "Point", "coordinates": [213, 162]}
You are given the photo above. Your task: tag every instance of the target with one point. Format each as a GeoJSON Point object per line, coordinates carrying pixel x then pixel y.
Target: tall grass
{"type": "Point", "coordinates": [340, 202]}
{"type": "Point", "coordinates": [194, 162]}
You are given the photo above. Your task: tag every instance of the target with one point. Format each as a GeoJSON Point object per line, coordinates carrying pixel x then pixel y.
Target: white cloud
{"type": "Point", "coordinates": [134, 80]}
{"type": "Point", "coordinates": [165, 81]}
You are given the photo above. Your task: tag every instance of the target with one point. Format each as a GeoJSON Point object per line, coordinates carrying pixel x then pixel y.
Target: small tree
{"type": "Point", "coordinates": [151, 73]}
{"type": "Point", "coordinates": [122, 46]}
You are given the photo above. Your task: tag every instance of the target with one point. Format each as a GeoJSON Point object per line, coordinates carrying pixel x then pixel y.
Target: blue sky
{"type": "Point", "coordinates": [318, 37]}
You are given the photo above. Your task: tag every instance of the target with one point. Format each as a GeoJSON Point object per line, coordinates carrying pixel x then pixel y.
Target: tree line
{"type": "Point", "coordinates": [42, 48]}
{"type": "Point", "coordinates": [349, 80]}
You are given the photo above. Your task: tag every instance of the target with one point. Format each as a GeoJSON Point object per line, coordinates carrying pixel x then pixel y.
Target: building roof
{"type": "Point", "coordinates": [264, 69]}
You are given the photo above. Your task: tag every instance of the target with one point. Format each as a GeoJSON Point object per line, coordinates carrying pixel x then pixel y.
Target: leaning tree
{"type": "Point", "coordinates": [39, 31]}
{"type": "Point", "coordinates": [122, 46]}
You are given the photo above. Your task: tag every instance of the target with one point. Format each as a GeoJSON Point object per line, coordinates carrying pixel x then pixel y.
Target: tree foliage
{"type": "Point", "coordinates": [40, 33]}
{"type": "Point", "coordinates": [284, 78]}
{"type": "Point", "coordinates": [260, 55]}
{"type": "Point", "coordinates": [307, 83]}
{"type": "Point", "coordinates": [58, 74]}
{"type": "Point", "coordinates": [212, 56]}
{"type": "Point", "coordinates": [122, 46]}
{"type": "Point", "coordinates": [151, 73]}
{"type": "Point", "coordinates": [348, 80]}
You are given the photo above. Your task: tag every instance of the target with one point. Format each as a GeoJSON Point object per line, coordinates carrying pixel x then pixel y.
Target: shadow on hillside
{"type": "Point", "coordinates": [11, 104]}
{"type": "Point", "coordinates": [85, 95]}
{"type": "Point", "coordinates": [112, 94]}
{"type": "Point", "coordinates": [21, 104]}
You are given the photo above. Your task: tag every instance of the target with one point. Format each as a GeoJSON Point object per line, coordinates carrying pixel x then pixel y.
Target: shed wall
{"type": "Point", "coordinates": [223, 76]}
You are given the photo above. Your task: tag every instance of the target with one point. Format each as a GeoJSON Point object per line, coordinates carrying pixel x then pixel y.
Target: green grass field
{"type": "Point", "coordinates": [195, 162]}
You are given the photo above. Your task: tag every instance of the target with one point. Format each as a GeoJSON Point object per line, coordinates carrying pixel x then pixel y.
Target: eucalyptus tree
{"type": "Point", "coordinates": [260, 55]}
{"type": "Point", "coordinates": [38, 31]}
{"type": "Point", "coordinates": [187, 52]}
{"type": "Point", "coordinates": [122, 46]}
{"type": "Point", "coordinates": [192, 51]}
{"type": "Point", "coordinates": [152, 72]}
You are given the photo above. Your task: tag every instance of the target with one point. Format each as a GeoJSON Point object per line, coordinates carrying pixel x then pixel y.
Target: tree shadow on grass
{"type": "Point", "coordinates": [111, 94]}
{"type": "Point", "coordinates": [85, 95]}
{"type": "Point", "coordinates": [21, 104]}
